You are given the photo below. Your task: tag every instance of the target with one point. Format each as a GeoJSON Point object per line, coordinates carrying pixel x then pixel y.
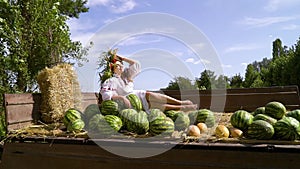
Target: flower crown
{"type": "Point", "coordinates": [107, 63]}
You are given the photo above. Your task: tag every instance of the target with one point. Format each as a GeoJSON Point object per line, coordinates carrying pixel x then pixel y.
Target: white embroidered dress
{"type": "Point", "coordinates": [120, 85]}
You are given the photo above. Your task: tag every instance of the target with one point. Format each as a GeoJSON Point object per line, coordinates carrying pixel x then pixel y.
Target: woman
{"type": "Point", "coordinates": [121, 84]}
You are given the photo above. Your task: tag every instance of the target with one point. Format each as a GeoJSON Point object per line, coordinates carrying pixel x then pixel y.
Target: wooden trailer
{"type": "Point", "coordinates": [77, 153]}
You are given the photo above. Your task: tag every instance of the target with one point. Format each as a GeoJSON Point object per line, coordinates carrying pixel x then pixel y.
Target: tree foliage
{"type": "Point", "coordinates": [34, 35]}
{"type": "Point", "coordinates": [281, 69]}
{"type": "Point", "coordinates": [181, 83]}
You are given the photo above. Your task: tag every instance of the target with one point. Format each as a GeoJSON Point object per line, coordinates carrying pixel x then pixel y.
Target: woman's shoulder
{"type": "Point", "coordinates": [110, 80]}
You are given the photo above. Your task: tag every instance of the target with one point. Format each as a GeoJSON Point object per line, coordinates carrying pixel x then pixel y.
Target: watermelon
{"type": "Point", "coordinates": [135, 102]}
{"type": "Point", "coordinates": [71, 114]}
{"type": "Point", "coordinates": [205, 116]}
{"type": "Point", "coordinates": [193, 117]}
{"type": "Point", "coordinates": [260, 129]}
{"type": "Point", "coordinates": [126, 116]}
{"type": "Point", "coordinates": [294, 113]}
{"type": "Point", "coordinates": [153, 113]}
{"type": "Point", "coordinates": [287, 128]}
{"type": "Point", "coordinates": [114, 122]}
{"type": "Point", "coordinates": [182, 121]}
{"type": "Point", "coordinates": [275, 109]}
{"type": "Point", "coordinates": [171, 114]}
{"type": "Point", "coordinates": [266, 118]}
{"type": "Point", "coordinates": [93, 125]}
{"type": "Point", "coordinates": [76, 125]}
{"type": "Point", "coordinates": [259, 110]}
{"type": "Point", "coordinates": [161, 126]}
{"type": "Point", "coordinates": [241, 119]}
{"type": "Point", "coordinates": [90, 111]}
{"type": "Point", "coordinates": [109, 107]}
{"type": "Point", "coordinates": [121, 104]}
{"type": "Point", "coordinates": [138, 123]}
{"type": "Point", "coordinates": [105, 125]}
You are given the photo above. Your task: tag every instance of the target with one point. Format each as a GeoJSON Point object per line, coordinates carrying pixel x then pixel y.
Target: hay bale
{"type": "Point", "coordinates": [60, 91]}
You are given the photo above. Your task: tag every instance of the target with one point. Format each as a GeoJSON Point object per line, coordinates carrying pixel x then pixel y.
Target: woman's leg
{"type": "Point", "coordinates": [165, 107]}
{"type": "Point", "coordinates": [164, 99]}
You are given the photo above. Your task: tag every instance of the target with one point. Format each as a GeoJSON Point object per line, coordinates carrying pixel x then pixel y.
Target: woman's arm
{"type": "Point", "coordinates": [128, 60]}
{"type": "Point", "coordinates": [123, 98]}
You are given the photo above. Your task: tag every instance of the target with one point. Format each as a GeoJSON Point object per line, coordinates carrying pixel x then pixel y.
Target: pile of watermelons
{"type": "Point", "coordinates": [272, 121]}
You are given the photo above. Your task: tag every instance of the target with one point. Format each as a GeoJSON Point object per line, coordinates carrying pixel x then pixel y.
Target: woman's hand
{"type": "Point", "coordinates": [124, 99]}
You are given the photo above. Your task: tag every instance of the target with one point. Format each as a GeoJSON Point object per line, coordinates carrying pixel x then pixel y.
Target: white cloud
{"type": "Point", "coordinates": [192, 60]}
{"type": "Point", "coordinates": [244, 64]}
{"type": "Point", "coordinates": [226, 66]}
{"type": "Point", "coordinates": [274, 5]}
{"type": "Point", "coordinates": [81, 25]}
{"type": "Point", "coordinates": [265, 21]}
{"type": "Point", "coordinates": [241, 47]}
{"type": "Point", "coordinates": [291, 27]}
{"type": "Point", "coordinates": [115, 6]}
{"type": "Point", "coordinates": [138, 40]}
{"type": "Point", "coordinates": [97, 2]}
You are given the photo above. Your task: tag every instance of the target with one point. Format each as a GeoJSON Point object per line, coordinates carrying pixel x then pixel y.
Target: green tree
{"type": "Point", "coordinates": [181, 83]}
{"type": "Point", "coordinates": [250, 76]}
{"type": "Point", "coordinates": [236, 81]}
{"type": "Point", "coordinates": [34, 35]}
{"type": "Point", "coordinates": [206, 80]}
{"type": "Point", "coordinates": [72, 8]}
{"type": "Point", "coordinates": [257, 82]}
{"type": "Point", "coordinates": [222, 82]}
{"type": "Point", "coordinates": [293, 64]}
{"type": "Point", "coordinates": [277, 49]}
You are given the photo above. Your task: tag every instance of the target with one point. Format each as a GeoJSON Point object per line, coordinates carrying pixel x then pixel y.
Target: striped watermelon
{"type": "Point", "coordinates": [109, 107]}
{"type": "Point", "coordinates": [266, 118]}
{"type": "Point", "coordinates": [294, 113]}
{"type": "Point", "coordinates": [126, 116]}
{"type": "Point", "coordinates": [105, 125]}
{"type": "Point", "coordinates": [161, 126]}
{"type": "Point", "coordinates": [205, 116]}
{"type": "Point", "coordinates": [71, 114]}
{"type": "Point", "coordinates": [114, 122]}
{"type": "Point", "coordinates": [76, 125]}
{"type": "Point", "coordinates": [121, 104]}
{"type": "Point", "coordinates": [275, 109]}
{"type": "Point", "coordinates": [241, 119]}
{"type": "Point", "coordinates": [260, 129]}
{"type": "Point", "coordinates": [153, 113]}
{"type": "Point", "coordinates": [135, 102]}
{"type": "Point", "coordinates": [93, 125]}
{"type": "Point", "coordinates": [138, 123]}
{"type": "Point", "coordinates": [90, 111]}
{"type": "Point", "coordinates": [259, 110]}
{"type": "Point", "coordinates": [182, 121]}
{"type": "Point", "coordinates": [287, 128]}
{"type": "Point", "coordinates": [171, 114]}
{"type": "Point", "coordinates": [193, 117]}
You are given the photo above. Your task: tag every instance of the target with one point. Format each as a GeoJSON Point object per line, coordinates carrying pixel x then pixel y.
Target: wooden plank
{"type": "Point", "coordinates": [249, 101]}
{"type": "Point", "coordinates": [293, 89]}
{"type": "Point", "coordinates": [88, 96]}
{"type": "Point", "coordinates": [191, 156]}
{"type": "Point", "coordinates": [25, 107]}
{"type": "Point", "coordinates": [19, 113]}
{"type": "Point", "coordinates": [23, 98]}
{"type": "Point", "coordinates": [19, 125]}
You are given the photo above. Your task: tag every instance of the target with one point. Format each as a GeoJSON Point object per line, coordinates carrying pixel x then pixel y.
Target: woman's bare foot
{"type": "Point", "coordinates": [186, 102]}
{"type": "Point", "coordinates": [189, 107]}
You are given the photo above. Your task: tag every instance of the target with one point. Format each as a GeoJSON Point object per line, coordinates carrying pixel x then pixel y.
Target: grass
{"type": "Point", "coordinates": [2, 125]}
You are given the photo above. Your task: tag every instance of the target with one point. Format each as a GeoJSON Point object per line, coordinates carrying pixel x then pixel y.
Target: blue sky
{"type": "Point", "coordinates": [239, 32]}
